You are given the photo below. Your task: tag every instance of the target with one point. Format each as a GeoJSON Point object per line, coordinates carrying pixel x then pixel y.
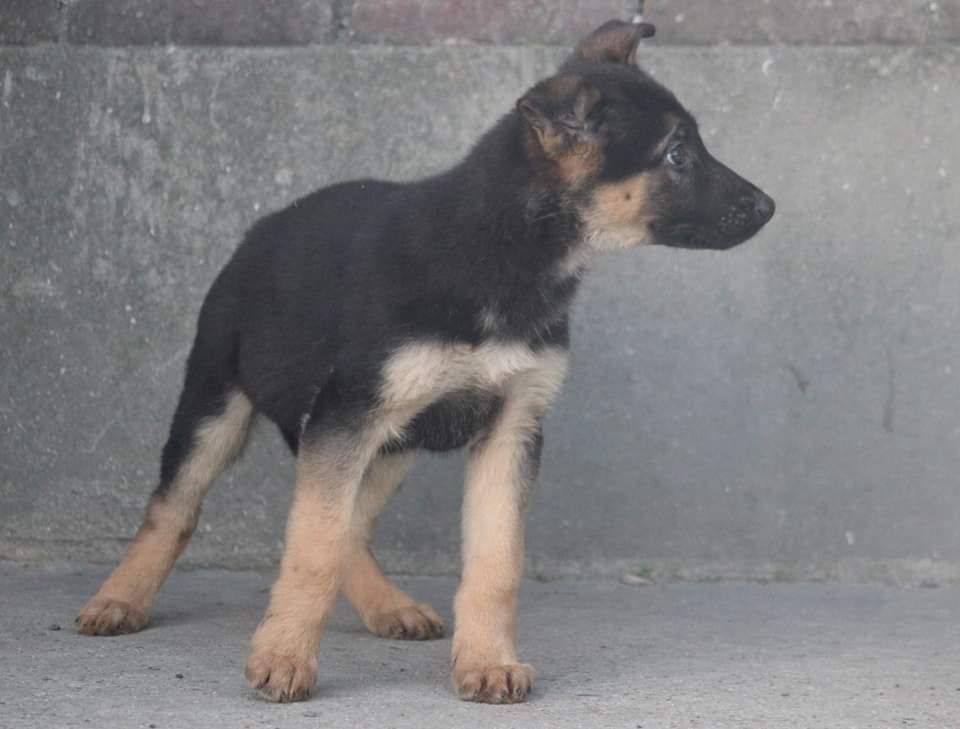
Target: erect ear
{"type": "Point", "coordinates": [559, 110]}
{"type": "Point", "coordinates": [614, 42]}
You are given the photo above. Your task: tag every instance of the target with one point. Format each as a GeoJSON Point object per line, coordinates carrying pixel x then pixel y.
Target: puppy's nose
{"type": "Point", "coordinates": [763, 207]}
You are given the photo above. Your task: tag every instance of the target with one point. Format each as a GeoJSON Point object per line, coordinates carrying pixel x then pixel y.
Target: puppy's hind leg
{"type": "Point", "coordinates": [208, 432]}
{"type": "Point", "coordinates": [386, 610]}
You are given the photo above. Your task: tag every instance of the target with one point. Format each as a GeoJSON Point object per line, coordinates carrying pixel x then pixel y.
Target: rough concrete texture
{"type": "Point", "coordinates": [211, 22]}
{"type": "Point", "coordinates": [804, 21]}
{"type": "Point", "coordinates": [24, 22]}
{"type": "Point", "coordinates": [720, 656]}
{"type": "Point", "coordinates": [784, 410]}
{"type": "Point", "coordinates": [415, 22]}
{"type": "Point", "coordinates": [493, 21]}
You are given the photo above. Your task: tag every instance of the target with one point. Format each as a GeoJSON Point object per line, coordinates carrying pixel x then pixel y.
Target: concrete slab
{"type": "Point", "coordinates": [784, 410]}
{"type": "Point", "coordinates": [25, 22]}
{"type": "Point", "coordinates": [214, 22]}
{"type": "Point", "coordinates": [804, 21]}
{"type": "Point", "coordinates": [714, 656]}
{"type": "Point", "coordinates": [414, 22]}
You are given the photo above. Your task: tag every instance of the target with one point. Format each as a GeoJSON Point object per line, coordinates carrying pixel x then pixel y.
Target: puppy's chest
{"type": "Point", "coordinates": [441, 396]}
{"type": "Point", "coordinates": [420, 373]}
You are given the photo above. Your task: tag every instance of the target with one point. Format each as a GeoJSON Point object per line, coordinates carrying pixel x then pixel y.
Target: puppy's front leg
{"type": "Point", "coordinates": [500, 473]}
{"type": "Point", "coordinates": [283, 659]}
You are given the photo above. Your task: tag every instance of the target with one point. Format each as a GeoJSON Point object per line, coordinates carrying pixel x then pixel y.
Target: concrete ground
{"type": "Point", "coordinates": [609, 655]}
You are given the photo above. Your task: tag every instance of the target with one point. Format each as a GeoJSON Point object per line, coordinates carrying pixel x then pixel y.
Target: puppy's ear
{"type": "Point", "coordinates": [614, 42]}
{"type": "Point", "coordinates": [560, 119]}
{"type": "Point", "coordinates": [559, 110]}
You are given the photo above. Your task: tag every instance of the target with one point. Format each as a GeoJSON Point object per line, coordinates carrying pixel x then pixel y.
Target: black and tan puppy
{"type": "Point", "coordinates": [371, 320]}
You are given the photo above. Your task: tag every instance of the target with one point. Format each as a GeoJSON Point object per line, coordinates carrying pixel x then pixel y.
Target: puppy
{"type": "Point", "coordinates": [371, 320]}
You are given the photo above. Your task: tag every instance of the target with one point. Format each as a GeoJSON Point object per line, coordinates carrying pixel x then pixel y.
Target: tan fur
{"type": "Point", "coordinates": [123, 601]}
{"type": "Point", "coordinates": [422, 372]}
{"type": "Point", "coordinates": [386, 610]}
{"type": "Point", "coordinates": [331, 515]}
{"type": "Point", "coordinates": [619, 214]}
{"type": "Point", "coordinates": [579, 162]}
{"type": "Point", "coordinates": [484, 654]}
{"type": "Point", "coordinates": [381, 479]}
{"type": "Point", "coordinates": [574, 162]}
{"type": "Point", "coordinates": [574, 157]}
{"type": "Point", "coordinates": [283, 659]}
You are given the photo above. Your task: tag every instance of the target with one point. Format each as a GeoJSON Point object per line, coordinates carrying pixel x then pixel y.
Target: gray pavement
{"type": "Point", "coordinates": [711, 655]}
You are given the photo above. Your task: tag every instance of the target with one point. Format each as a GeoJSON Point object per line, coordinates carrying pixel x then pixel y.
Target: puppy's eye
{"type": "Point", "coordinates": [677, 156]}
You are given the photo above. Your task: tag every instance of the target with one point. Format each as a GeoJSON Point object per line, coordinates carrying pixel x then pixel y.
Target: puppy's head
{"type": "Point", "coordinates": [630, 156]}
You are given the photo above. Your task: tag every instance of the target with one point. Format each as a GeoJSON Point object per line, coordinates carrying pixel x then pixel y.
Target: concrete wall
{"type": "Point", "coordinates": [790, 409]}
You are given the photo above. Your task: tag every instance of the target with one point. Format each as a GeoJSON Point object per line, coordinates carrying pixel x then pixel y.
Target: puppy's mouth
{"type": "Point", "coordinates": [741, 219]}
{"type": "Point", "coordinates": [699, 238]}
{"type": "Point", "coordinates": [726, 234]}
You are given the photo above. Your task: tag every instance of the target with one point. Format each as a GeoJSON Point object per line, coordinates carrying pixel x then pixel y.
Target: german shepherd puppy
{"type": "Point", "coordinates": [371, 320]}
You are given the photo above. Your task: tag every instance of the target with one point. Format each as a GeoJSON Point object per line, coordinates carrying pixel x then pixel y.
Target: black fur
{"type": "Point", "coordinates": [374, 317]}
{"type": "Point", "coordinates": [448, 424]}
{"type": "Point", "coordinates": [318, 295]}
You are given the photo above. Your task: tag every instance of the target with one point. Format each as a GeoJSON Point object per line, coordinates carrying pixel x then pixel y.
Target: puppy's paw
{"type": "Point", "coordinates": [412, 622]}
{"type": "Point", "coordinates": [281, 678]}
{"type": "Point", "coordinates": [503, 684]}
{"type": "Point", "coordinates": [103, 616]}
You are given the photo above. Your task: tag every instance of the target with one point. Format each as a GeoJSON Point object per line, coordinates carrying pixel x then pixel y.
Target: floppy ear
{"type": "Point", "coordinates": [614, 42]}
{"type": "Point", "coordinates": [558, 111]}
